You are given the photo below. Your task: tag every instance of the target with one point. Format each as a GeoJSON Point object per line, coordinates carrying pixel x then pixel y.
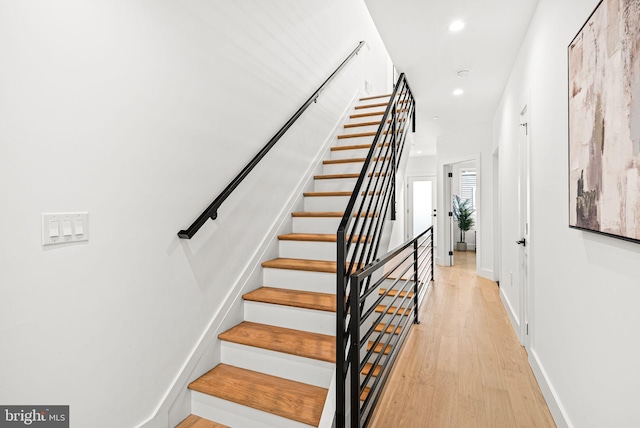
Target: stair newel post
{"type": "Point", "coordinates": [354, 327]}
{"type": "Point", "coordinates": [393, 160]}
{"type": "Point", "coordinates": [340, 329]}
{"type": "Point", "coordinates": [416, 287]}
{"type": "Point", "coordinates": [413, 115]}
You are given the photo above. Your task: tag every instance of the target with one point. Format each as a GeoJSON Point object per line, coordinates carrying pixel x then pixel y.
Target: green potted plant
{"type": "Point", "coordinates": [462, 212]}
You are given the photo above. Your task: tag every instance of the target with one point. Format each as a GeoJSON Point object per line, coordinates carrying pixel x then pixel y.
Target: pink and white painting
{"type": "Point", "coordinates": [604, 121]}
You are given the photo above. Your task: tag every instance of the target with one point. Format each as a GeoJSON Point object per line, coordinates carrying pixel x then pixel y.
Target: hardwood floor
{"type": "Point", "coordinates": [463, 365]}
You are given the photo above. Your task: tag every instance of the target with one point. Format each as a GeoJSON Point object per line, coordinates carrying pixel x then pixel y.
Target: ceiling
{"type": "Point", "coordinates": [416, 34]}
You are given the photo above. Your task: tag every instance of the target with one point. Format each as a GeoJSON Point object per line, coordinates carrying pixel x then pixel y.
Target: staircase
{"type": "Point", "coordinates": [278, 364]}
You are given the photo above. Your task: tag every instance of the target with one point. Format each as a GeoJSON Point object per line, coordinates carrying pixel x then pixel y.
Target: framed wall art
{"type": "Point", "coordinates": [604, 121]}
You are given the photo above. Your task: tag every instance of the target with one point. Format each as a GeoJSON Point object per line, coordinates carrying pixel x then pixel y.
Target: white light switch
{"type": "Point", "coordinates": [54, 228]}
{"type": "Point", "coordinates": [65, 228]}
{"type": "Point", "coordinates": [79, 227]}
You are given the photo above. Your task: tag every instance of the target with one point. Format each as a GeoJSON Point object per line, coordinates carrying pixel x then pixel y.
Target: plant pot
{"type": "Point", "coordinates": [461, 246]}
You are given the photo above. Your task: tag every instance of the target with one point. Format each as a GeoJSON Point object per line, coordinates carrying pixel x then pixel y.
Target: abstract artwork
{"type": "Point", "coordinates": [604, 121]}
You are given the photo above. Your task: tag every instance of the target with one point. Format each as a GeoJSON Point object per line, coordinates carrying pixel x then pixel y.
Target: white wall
{"type": "Point", "coordinates": [470, 144]}
{"type": "Point", "coordinates": [140, 112]}
{"type": "Point", "coordinates": [420, 166]}
{"type": "Point", "coordinates": [585, 287]}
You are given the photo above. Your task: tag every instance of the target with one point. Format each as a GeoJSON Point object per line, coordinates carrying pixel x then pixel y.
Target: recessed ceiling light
{"type": "Point", "coordinates": [419, 151]}
{"type": "Point", "coordinates": [458, 92]}
{"type": "Point", "coordinates": [435, 117]}
{"type": "Point", "coordinates": [456, 25]}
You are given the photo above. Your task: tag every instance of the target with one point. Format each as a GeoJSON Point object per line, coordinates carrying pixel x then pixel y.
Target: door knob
{"type": "Point", "coordinates": [522, 242]}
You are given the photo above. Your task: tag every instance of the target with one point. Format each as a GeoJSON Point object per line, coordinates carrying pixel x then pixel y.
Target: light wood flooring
{"type": "Point", "coordinates": [463, 365]}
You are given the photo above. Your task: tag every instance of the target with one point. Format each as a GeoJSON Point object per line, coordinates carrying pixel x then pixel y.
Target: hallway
{"type": "Point", "coordinates": [463, 365]}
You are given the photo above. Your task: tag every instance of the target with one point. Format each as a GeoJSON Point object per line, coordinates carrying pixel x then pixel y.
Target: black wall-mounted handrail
{"type": "Point", "coordinates": [212, 210]}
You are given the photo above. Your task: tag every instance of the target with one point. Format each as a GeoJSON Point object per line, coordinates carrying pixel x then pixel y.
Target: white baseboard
{"type": "Point", "coordinates": [485, 273]}
{"type": "Point", "coordinates": [513, 317]}
{"type": "Point", "coordinates": [558, 412]}
{"type": "Point", "coordinates": [555, 407]}
{"type": "Point", "coordinates": [165, 414]}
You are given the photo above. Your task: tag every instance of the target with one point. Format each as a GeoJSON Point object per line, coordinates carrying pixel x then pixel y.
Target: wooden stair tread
{"type": "Point", "coordinates": [326, 194]}
{"type": "Point", "coordinates": [304, 265]}
{"type": "Point", "coordinates": [394, 293]}
{"type": "Point", "coordinates": [374, 113]}
{"type": "Point", "coordinates": [339, 161]}
{"type": "Point", "coordinates": [357, 135]}
{"type": "Point", "coordinates": [373, 97]}
{"type": "Point", "coordinates": [364, 134]}
{"type": "Point", "coordinates": [371, 105]}
{"type": "Point", "coordinates": [392, 309]}
{"type": "Point", "coordinates": [378, 328]}
{"type": "Point", "coordinates": [288, 341]}
{"type": "Point", "coordinates": [367, 369]}
{"type": "Point", "coordinates": [333, 176]}
{"type": "Point", "coordinates": [378, 348]}
{"type": "Point", "coordinates": [340, 176]}
{"type": "Point", "coordinates": [365, 393]}
{"type": "Point", "coordinates": [369, 123]}
{"type": "Point", "coordinates": [193, 421]}
{"type": "Point", "coordinates": [317, 214]}
{"type": "Point", "coordinates": [317, 237]}
{"type": "Point", "coordinates": [347, 193]}
{"type": "Point", "coordinates": [355, 147]}
{"type": "Point", "coordinates": [325, 214]}
{"type": "Point", "coordinates": [351, 160]}
{"type": "Point", "coordinates": [301, 264]}
{"type": "Point", "coordinates": [282, 397]}
{"type": "Point", "coordinates": [295, 298]}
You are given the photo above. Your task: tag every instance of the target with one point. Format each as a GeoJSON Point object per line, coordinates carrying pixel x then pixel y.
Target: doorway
{"type": "Point", "coordinates": [421, 203]}
{"type": "Point", "coordinates": [524, 196]}
{"type": "Point", "coordinates": [462, 180]}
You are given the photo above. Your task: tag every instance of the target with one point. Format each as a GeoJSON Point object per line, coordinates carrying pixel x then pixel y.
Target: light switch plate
{"type": "Point", "coordinates": [72, 227]}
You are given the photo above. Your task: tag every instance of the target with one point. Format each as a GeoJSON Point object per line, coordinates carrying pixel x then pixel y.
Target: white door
{"type": "Point", "coordinates": [421, 203]}
{"type": "Point", "coordinates": [525, 230]}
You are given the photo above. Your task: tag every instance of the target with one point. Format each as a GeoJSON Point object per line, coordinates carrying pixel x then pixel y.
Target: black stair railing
{"type": "Point", "coordinates": [383, 303]}
{"type": "Point", "coordinates": [360, 232]}
{"type": "Point", "coordinates": [211, 212]}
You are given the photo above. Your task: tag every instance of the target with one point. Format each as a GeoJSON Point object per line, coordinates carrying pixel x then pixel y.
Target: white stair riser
{"type": "Point", "coordinates": [354, 140]}
{"type": "Point", "coordinates": [358, 129]}
{"type": "Point", "coordinates": [237, 415]}
{"type": "Point", "coordinates": [358, 111]}
{"type": "Point", "coordinates": [321, 224]}
{"type": "Point", "coordinates": [316, 224]}
{"type": "Point", "coordinates": [320, 282]}
{"type": "Point", "coordinates": [325, 203]}
{"type": "Point", "coordinates": [349, 154]}
{"type": "Point", "coordinates": [322, 322]}
{"type": "Point", "coordinates": [293, 367]}
{"type": "Point", "coordinates": [311, 250]}
{"type": "Point", "coordinates": [335, 185]}
{"type": "Point", "coordinates": [343, 168]}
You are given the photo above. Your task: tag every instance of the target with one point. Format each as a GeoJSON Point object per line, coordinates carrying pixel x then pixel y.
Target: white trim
{"type": "Point", "coordinates": [558, 412]}
{"type": "Point", "coordinates": [327, 420]}
{"type": "Point", "coordinates": [266, 250]}
{"type": "Point", "coordinates": [486, 273]}
{"type": "Point", "coordinates": [444, 239]}
{"type": "Point", "coordinates": [515, 321]}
